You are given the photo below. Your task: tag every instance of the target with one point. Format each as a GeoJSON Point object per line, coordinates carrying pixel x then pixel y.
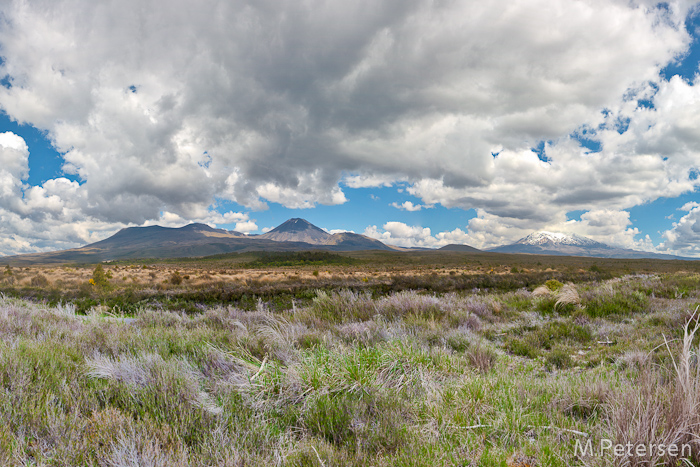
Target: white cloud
{"type": "Point", "coordinates": [487, 230]}
{"type": "Point", "coordinates": [409, 206]}
{"type": "Point", "coordinates": [14, 155]}
{"type": "Point", "coordinates": [370, 181]}
{"type": "Point", "coordinates": [608, 226]}
{"type": "Point", "coordinates": [684, 237]}
{"type": "Point", "coordinates": [162, 107]}
{"type": "Point", "coordinates": [212, 218]}
{"type": "Point", "coordinates": [400, 234]}
{"type": "Point", "coordinates": [303, 196]}
{"type": "Point", "coordinates": [55, 215]}
{"type": "Point", "coordinates": [246, 227]}
{"type": "Point", "coordinates": [335, 231]}
{"type": "Point", "coordinates": [689, 206]}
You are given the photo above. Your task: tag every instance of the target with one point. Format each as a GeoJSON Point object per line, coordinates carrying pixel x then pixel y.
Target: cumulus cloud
{"type": "Point", "coordinates": [242, 221]}
{"type": "Point", "coordinates": [683, 237]}
{"type": "Point", "coordinates": [53, 215]}
{"type": "Point", "coordinates": [166, 106]}
{"type": "Point", "coordinates": [409, 206]}
{"type": "Point", "coordinates": [371, 181]}
{"type": "Point", "coordinates": [401, 234]}
{"type": "Point", "coordinates": [488, 230]}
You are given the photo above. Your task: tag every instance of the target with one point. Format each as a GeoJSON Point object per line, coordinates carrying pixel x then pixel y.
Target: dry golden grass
{"type": "Point", "coordinates": [69, 277]}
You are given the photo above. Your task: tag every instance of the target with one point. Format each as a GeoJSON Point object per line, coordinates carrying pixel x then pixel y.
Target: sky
{"type": "Point", "coordinates": [416, 122]}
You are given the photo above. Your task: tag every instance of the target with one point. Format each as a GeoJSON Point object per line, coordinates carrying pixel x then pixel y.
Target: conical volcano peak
{"type": "Point", "coordinates": [197, 226]}
{"type": "Point", "coordinates": [296, 225]}
{"type": "Point", "coordinates": [297, 230]}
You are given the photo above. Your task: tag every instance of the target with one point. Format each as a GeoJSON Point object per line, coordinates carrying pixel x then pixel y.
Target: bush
{"type": "Point", "coordinates": [553, 285]}
{"type": "Point", "coordinates": [175, 278]}
{"type": "Point", "coordinates": [39, 281]}
{"type": "Point", "coordinates": [521, 347]}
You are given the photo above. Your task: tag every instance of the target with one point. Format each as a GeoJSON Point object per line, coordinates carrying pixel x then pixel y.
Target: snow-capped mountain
{"type": "Point", "coordinates": [553, 239]}
{"type": "Point", "coordinates": [556, 243]}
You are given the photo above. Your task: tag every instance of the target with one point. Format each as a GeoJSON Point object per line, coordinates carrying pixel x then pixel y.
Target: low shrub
{"type": "Point", "coordinates": [39, 280]}
{"type": "Point", "coordinates": [521, 347]}
{"type": "Point", "coordinates": [530, 341]}
{"type": "Point", "coordinates": [176, 278]}
{"type": "Point", "coordinates": [619, 303]}
{"type": "Point", "coordinates": [559, 358]}
{"type": "Point", "coordinates": [553, 285]}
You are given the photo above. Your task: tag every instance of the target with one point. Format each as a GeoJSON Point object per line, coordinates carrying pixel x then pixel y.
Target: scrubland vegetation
{"type": "Point", "coordinates": [408, 370]}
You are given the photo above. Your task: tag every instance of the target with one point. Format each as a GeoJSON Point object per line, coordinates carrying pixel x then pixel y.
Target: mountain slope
{"type": "Point", "coordinates": [349, 241]}
{"type": "Point", "coordinates": [297, 230]}
{"type": "Point", "coordinates": [153, 242]}
{"type": "Point", "coordinates": [197, 240]}
{"type": "Point", "coordinates": [301, 230]}
{"type": "Point", "coordinates": [554, 243]}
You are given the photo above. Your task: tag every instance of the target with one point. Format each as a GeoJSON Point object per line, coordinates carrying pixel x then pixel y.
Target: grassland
{"type": "Point", "coordinates": [447, 360]}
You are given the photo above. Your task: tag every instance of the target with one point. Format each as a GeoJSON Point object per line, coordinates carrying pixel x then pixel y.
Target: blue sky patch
{"type": "Point", "coordinates": [687, 65]}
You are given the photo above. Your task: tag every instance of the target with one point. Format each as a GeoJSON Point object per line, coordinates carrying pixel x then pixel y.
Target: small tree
{"type": "Point", "coordinates": [99, 278]}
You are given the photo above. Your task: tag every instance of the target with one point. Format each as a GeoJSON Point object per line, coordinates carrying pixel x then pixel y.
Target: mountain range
{"type": "Point", "coordinates": [196, 240]}
{"type": "Point", "coordinates": [555, 243]}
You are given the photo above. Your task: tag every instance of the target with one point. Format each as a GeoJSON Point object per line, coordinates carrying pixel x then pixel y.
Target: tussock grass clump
{"type": "Point", "coordinates": [343, 306]}
{"type": "Point", "coordinates": [482, 357]}
{"type": "Point", "coordinates": [567, 296]}
{"type": "Point", "coordinates": [410, 303]}
{"type": "Point", "coordinates": [346, 306]}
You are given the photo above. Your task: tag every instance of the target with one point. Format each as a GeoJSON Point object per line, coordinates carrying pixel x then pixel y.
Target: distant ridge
{"type": "Point", "coordinates": [560, 244]}
{"type": "Point", "coordinates": [458, 247]}
{"type": "Point", "coordinates": [198, 240]}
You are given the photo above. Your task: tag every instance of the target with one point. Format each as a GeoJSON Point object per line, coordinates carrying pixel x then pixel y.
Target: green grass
{"type": "Point", "coordinates": [348, 378]}
{"type": "Point", "coordinates": [602, 306]}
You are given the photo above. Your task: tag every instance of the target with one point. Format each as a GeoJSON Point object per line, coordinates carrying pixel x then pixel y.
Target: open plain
{"type": "Point", "coordinates": [362, 358]}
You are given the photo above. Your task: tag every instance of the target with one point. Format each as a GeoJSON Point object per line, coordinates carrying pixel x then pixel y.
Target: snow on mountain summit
{"type": "Point", "coordinates": [556, 238]}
